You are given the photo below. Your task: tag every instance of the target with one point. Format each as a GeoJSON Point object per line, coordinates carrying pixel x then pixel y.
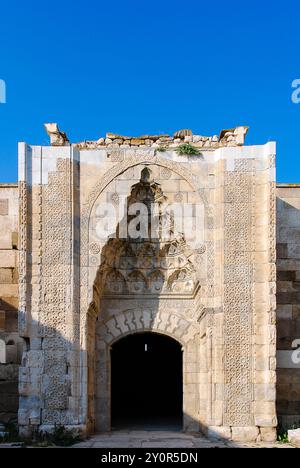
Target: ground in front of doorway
{"type": "Point", "coordinates": [164, 439]}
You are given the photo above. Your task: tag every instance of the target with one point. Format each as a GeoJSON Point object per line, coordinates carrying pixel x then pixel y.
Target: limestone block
{"type": "Point", "coordinates": [265, 420]}
{"type": "Point", "coordinates": [8, 290]}
{"type": "Point", "coordinates": [6, 241]}
{"type": "Point", "coordinates": [264, 392]}
{"type": "Point", "coordinates": [6, 275]}
{"type": "Point", "coordinates": [262, 272]}
{"type": "Point", "coordinates": [219, 433]}
{"type": "Point", "coordinates": [262, 408]}
{"type": "Point", "coordinates": [261, 292]}
{"type": "Point", "coordinates": [4, 206]}
{"type": "Point", "coordinates": [245, 434]}
{"type": "Point", "coordinates": [218, 412]}
{"type": "Point", "coordinates": [261, 363]}
{"type": "Point", "coordinates": [294, 437]}
{"type": "Point", "coordinates": [192, 378]}
{"type": "Point", "coordinates": [262, 377]}
{"type": "Point", "coordinates": [8, 258]}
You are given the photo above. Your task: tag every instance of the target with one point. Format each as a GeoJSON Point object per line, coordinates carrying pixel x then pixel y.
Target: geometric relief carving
{"type": "Point", "coordinates": [243, 165]}
{"type": "Point", "coordinates": [238, 294]}
{"type": "Point", "coordinates": [23, 226]}
{"type": "Point", "coordinates": [95, 248]}
{"type": "Point", "coordinates": [140, 320]}
{"type": "Point", "coordinates": [56, 397]}
{"type": "Point", "coordinates": [55, 306]}
{"type": "Point", "coordinates": [237, 273]}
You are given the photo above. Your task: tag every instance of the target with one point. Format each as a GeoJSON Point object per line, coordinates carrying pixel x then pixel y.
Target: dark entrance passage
{"type": "Point", "coordinates": [146, 382]}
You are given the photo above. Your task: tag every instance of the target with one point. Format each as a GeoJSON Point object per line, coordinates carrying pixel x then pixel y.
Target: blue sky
{"type": "Point", "coordinates": [136, 67]}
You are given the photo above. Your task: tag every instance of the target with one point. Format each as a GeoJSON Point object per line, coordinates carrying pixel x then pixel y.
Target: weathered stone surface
{"type": "Point", "coordinates": [232, 137]}
{"type": "Point", "coordinates": [57, 138]}
{"type": "Point", "coordinates": [294, 437]}
{"type": "Point", "coordinates": [219, 432]}
{"type": "Point", "coordinates": [183, 133]}
{"type": "Point", "coordinates": [245, 434]}
{"type": "Point", "coordinates": [217, 298]}
{"type": "Point", "coordinates": [3, 206]}
{"type": "Point", "coordinates": [8, 259]}
{"type": "Point", "coordinates": [6, 275]}
{"type": "Point", "coordinates": [268, 434]}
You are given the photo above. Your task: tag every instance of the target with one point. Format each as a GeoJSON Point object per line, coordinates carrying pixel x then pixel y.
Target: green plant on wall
{"type": "Point", "coordinates": [161, 149]}
{"type": "Point", "coordinates": [187, 148]}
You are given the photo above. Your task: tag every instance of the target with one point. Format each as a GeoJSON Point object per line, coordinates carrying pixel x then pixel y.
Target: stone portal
{"type": "Point", "coordinates": [82, 292]}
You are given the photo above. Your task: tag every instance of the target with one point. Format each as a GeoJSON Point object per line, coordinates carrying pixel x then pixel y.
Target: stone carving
{"type": "Point", "coordinates": [178, 197]}
{"type": "Point", "coordinates": [272, 161]}
{"type": "Point", "coordinates": [57, 138]}
{"type": "Point", "coordinates": [137, 283]}
{"type": "Point", "coordinates": [55, 306]}
{"type": "Point", "coordinates": [136, 263]}
{"type": "Point", "coordinates": [115, 198]}
{"type": "Point", "coordinates": [243, 165]}
{"type": "Point", "coordinates": [238, 298]}
{"type": "Point", "coordinates": [203, 297]}
{"type": "Point", "coordinates": [134, 320]}
{"type": "Point", "coordinates": [116, 155]}
{"type": "Point", "coordinates": [201, 250]}
{"type": "Point", "coordinates": [181, 281]}
{"type": "Point", "coordinates": [95, 248]}
{"type": "Point", "coordinates": [156, 282]}
{"type": "Point", "coordinates": [132, 160]}
{"type": "Point", "coordinates": [23, 226]}
{"type": "Point", "coordinates": [165, 173]}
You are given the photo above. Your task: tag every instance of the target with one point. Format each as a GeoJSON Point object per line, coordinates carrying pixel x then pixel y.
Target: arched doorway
{"type": "Point", "coordinates": [146, 382]}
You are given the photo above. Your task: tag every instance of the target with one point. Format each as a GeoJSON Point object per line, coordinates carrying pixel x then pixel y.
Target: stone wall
{"type": "Point", "coordinates": [288, 265]}
{"type": "Point", "coordinates": [10, 345]}
{"type": "Point", "coordinates": [228, 330]}
{"type": "Point", "coordinates": [288, 303]}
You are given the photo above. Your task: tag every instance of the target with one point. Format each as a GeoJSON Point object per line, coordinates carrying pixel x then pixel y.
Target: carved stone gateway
{"type": "Point", "coordinates": [84, 284]}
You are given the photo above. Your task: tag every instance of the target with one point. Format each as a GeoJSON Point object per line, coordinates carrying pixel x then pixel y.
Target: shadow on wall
{"type": "Point", "coordinates": [11, 351]}
{"type": "Point", "coordinates": [168, 418]}
{"type": "Point", "coordinates": [288, 311]}
{"type": "Point", "coordinates": [132, 279]}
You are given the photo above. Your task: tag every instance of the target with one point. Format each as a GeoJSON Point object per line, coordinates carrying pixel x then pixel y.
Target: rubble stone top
{"type": "Point", "coordinates": [230, 137]}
